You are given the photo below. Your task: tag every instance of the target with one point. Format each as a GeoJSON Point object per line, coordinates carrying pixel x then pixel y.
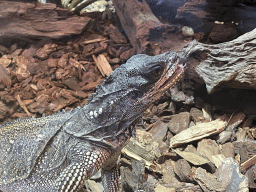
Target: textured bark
{"type": "Point", "coordinates": [28, 21]}
{"type": "Point", "coordinates": [145, 32]}
{"type": "Point", "coordinates": [225, 65]}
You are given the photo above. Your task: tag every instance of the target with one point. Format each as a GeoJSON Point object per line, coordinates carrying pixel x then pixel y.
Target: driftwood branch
{"type": "Point", "coordinates": [225, 65]}
{"type": "Point", "coordinates": [145, 32]}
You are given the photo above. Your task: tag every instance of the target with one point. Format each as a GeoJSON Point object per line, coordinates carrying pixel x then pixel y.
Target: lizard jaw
{"type": "Point", "coordinates": [172, 74]}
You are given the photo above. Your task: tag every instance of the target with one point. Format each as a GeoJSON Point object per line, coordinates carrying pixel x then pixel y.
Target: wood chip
{"type": "Point", "coordinates": [102, 64]}
{"type": "Point", "coordinates": [94, 40]}
{"type": "Point", "coordinates": [140, 150]}
{"type": "Point", "coordinates": [192, 157]}
{"type": "Point", "coordinates": [3, 110]}
{"type": "Point", "coordinates": [93, 186]}
{"type": "Point", "coordinates": [207, 181]}
{"type": "Point", "coordinates": [23, 106]}
{"type": "Point", "coordinates": [248, 163]}
{"type": "Point", "coordinates": [197, 132]}
{"type": "Point", "coordinates": [218, 159]}
{"type": "Point", "coordinates": [150, 166]}
{"type": "Point", "coordinates": [4, 76]}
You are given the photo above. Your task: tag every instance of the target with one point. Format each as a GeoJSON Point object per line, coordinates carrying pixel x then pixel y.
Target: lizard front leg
{"type": "Point", "coordinates": [110, 179]}
{"type": "Point", "coordinates": [82, 167]}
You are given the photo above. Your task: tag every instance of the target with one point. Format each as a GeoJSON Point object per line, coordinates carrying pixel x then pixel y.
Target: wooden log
{"type": "Point", "coordinates": [35, 21]}
{"type": "Point", "coordinates": [225, 65]}
{"type": "Point", "coordinates": [145, 32]}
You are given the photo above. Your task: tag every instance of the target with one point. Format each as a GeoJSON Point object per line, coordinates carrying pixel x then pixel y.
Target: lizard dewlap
{"type": "Point", "coordinates": [59, 152]}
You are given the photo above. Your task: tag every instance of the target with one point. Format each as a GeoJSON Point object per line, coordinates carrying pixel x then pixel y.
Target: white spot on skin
{"type": "Point", "coordinates": [100, 110]}
{"type": "Point", "coordinates": [112, 102]}
{"type": "Point", "coordinates": [95, 114]}
{"type": "Point", "coordinates": [91, 113]}
{"type": "Point", "coordinates": [88, 153]}
{"type": "Point", "coordinates": [90, 162]}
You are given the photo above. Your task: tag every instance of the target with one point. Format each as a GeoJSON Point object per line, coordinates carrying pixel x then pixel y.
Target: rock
{"type": "Point", "coordinates": [230, 176]}
{"type": "Point", "coordinates": [187, 31]}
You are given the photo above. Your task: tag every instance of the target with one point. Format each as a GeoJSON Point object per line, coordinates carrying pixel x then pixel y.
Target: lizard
{"type": "Point", "coordinates": [59, 152]}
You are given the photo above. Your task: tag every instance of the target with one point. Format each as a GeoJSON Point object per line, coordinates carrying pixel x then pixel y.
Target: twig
{"type": "Point", "coordinates": [23, 106]}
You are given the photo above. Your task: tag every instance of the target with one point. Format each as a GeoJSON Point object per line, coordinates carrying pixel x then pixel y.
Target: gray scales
{"type": "Point", "coordinates": [59, 152]}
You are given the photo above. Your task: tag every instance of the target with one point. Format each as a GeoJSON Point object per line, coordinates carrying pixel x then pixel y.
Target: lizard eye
{"type": "Point", "coordinates": [156, 72]}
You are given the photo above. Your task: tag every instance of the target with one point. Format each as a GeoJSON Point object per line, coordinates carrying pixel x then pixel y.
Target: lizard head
{"type": "Point", "coordinates": [122, 98]}
{"type": "Point", "coordinates": [149, 78]}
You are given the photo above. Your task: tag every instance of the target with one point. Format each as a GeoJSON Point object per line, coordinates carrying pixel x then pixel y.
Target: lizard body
{"type": "Point", "coordinates": [59, 152]}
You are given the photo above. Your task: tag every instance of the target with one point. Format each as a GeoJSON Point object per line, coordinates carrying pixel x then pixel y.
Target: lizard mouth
{"type": "Point", "coordinates": [172, 74]}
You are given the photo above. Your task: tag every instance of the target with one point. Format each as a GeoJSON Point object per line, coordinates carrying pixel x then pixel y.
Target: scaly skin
{"type": "Point", "coordinates": [59, 152]}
